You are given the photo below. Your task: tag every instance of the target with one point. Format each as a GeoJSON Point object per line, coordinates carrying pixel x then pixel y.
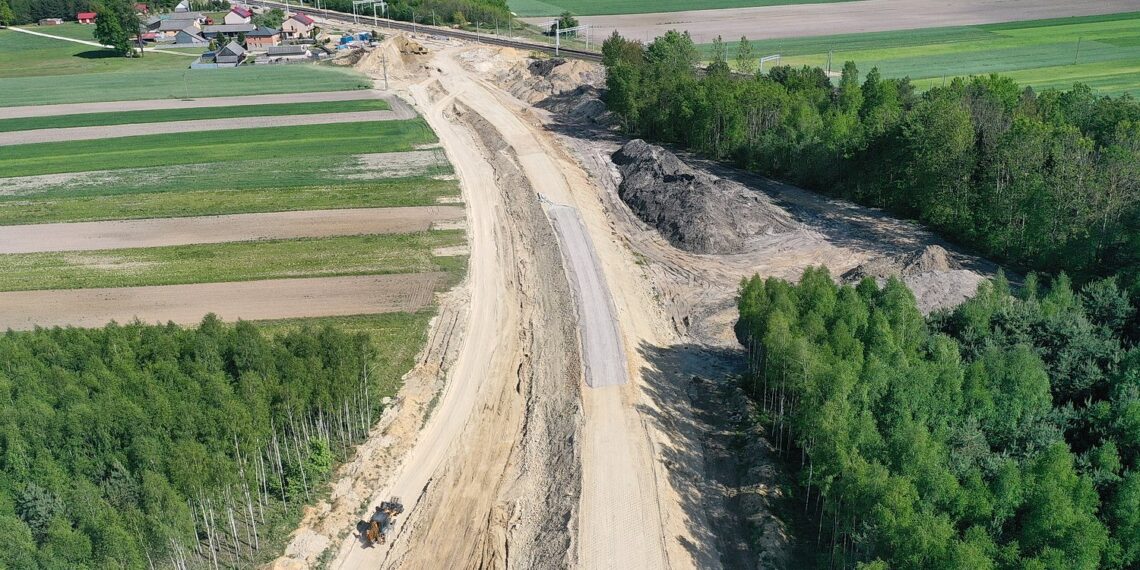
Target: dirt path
{"type": "Point", "coordinates": [137, 129]}
{"type": "Point", "coordinates": [251, 300]}
{"type": "Point", "coordinates": [160, 104]}
{"type": "Point", "coordinates": [798, 20]}
{"type": "Point", "coordinates": [85, 42]}
{"type": "Point", "coordinates": [157, 232]}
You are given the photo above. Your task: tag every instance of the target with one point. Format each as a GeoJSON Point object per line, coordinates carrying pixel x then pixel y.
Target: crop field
{"type": "Point", "coordinates": [206, 146]}
{"type": "Point", "coordinates": [1100, 51]}
{"type": "Point", "coordinates": [235, 261]}
{"type": "Point", "coordinates": [531, 8]}
{"type": "Point", "coordinates": [167, 115]}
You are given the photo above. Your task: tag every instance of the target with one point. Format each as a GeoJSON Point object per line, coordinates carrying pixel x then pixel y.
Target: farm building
{"type": "Point", "coordinates": [50, 21]}
{"type": "Point", "coordinates": [86, 17]}
{"type": "Point", "coordinates": [189, 36]}
{"type": "Point", "coordinates": [297, 26]}
{"type": "Point", "coordinates": [229, 31]}
{"type": "Point", "coordinates": [238, 15]}
{"type": "Point", "coordinates": [262, 38]}
{"type": "Point", "coordinates": [230, 56]}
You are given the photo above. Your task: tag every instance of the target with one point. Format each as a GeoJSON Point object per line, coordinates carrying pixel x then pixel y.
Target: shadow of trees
{"type": "Point", "coordinates": [731, 483]}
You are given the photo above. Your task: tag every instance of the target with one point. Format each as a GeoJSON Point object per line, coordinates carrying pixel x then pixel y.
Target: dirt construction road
{"type": "Point", "coordinates": [157, 232]}
{"type": "Point", "coordinates": [537, 454]}
{"type": "Point", "coordinates": [795, 20]}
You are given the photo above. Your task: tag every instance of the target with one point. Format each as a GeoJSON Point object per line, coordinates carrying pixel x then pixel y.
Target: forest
{"type": "Point", "coordinates": [1003, 434]}
{"type": "Point", "coordinates": [136, 446]}
{"type": "Point", "coordinates": [1044, 181]}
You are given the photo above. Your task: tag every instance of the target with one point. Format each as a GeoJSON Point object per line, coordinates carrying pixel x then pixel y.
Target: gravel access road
{"type": "Point", "coordinates": [158, 232]}
{"type": "Point", "coordinates": [250, 300]}
{"type": "Point", "coordinates": [796, 20]}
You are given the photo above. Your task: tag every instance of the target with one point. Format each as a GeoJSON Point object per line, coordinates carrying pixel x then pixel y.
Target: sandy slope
{"type": "Point", "coordinates": [797, 20]}
{"type": "Point", "coordinates": [157, 232]}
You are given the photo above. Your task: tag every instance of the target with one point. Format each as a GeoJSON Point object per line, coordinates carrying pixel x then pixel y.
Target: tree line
{"type": "Point", "coordinates": [136, 446]}
{"type": "Point", "coordinates": [1046, 181]}
{"type": "Point", "coordinates": [488, 12]}
{"type": "Point", "coordinates": [1003, 434]}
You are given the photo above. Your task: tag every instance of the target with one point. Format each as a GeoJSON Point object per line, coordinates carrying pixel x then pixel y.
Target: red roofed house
{"type": "Point", "coordinates": [297, 26]}
{"type": "Point", "coordinates": [142, 9]}
{"type": "Point", "coordinates": [86, 17]}
{"type": "Point", "coordinates": [238, 15]}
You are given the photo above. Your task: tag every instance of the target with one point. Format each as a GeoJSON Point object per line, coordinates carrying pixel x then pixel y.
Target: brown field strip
{"type": "Point", "coordinates": [250, 300]}
{"type": "Point", "coordinates": [158, 232]}
{"type": "Point", "coordinates": [160, 104]}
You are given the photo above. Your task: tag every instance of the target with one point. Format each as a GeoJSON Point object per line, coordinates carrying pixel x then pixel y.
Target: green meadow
{"type": "Point", "coordinates": [1101, 51]}
{"type": "Point", "coordinates": [214, 146]}
{"type": "Point", "coordinates": [234, 261]}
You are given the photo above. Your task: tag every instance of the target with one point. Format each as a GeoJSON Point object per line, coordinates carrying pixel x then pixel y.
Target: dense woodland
{"type": "Point", "coordinates": [139, 446]}
{"type": "Point", "coordinates": [1004, 434]}
{"type": "Point", "coordinates": [1045, 181]}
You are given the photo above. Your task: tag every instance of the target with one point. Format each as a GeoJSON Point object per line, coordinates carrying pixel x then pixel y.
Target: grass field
{"type": "Point", "coordinates": [166, 115]}
{"type": "Point", "coordinates": [1041, 53]}
{"type": "Point", "coordinates": [529, 8]}
{"type": "Point", "coordinates": [236, 261]}
{"type": "Point", "coordinates": [375, 194]}
{"type": "Point", "coordinates": [214, 146]}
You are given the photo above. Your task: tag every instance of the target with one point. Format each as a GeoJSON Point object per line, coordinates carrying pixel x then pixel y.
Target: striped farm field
{"type": "Point", "coordinates": [169, 115]}
{"type": "Point", "coordinates": [1101, 51]}
{"type": "Point", "coordinates": [530, 8]}
{"type": "Point", "coordinates": [225, 145]}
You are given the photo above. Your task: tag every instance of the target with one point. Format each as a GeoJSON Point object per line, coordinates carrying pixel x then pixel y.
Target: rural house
{"type": "Point", "coordinates": [142, 9]}
{"type": "Point", "coordinates": [170, 27]}
{"type": "Point", "coordinates": [262, 38]}
{"type": "Point", "coordinates": [297, 26]}
{"type": "Point", "coordinates": [228, 31]}
{"type": "Point", "coordinates": [189, 36]}
{"type": "Point", "coordinates": [230, 56]}
{"type": "Point", "coordinates": [86, 17]}
{"type": "Point", "coordinates": [183, 6]}
{"type": "Point", "coordinates": [238, 15]}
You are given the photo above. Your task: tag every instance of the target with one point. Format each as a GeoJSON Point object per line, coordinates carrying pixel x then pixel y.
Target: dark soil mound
{"type": "Point", "coordinates": [694, 210]}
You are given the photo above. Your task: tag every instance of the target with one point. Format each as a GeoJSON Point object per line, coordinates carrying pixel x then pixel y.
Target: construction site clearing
{"type": "Point", "coordinates": [525, 437]}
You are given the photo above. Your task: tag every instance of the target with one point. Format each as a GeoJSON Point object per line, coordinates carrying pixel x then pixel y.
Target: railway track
{"type": "Point", "coordinates": [436, 31]}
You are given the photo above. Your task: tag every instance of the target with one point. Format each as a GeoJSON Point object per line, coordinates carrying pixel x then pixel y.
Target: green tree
{"type": "Point", "coordinates": [7, 16]}
{"type": "Point", "coordinates": [270, 18]}
{"type": "Point", "coordinates": [745, 58]}
{"type": "Point", "coordinates": [565, 21]}
{"type": "Point", "coordinates": [117, 23]}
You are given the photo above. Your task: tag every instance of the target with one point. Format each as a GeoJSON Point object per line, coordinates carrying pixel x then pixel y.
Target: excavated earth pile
{"type": "Point", "coordinates": [694, 210]}
{"type": "Point", "coordinates": [931, 273]}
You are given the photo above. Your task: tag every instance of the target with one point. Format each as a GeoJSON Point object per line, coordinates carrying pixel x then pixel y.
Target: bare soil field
{"type": "Point", "coordinates": [839, 18]}
{"type": "Point", "coordinates": [249, 300]}
{"type": "Point", "coordinates": [105, 132]}
{"type": "Point", "coordinates": [154, 104]}
{"type": "Point", "coordinates": [157, 232]}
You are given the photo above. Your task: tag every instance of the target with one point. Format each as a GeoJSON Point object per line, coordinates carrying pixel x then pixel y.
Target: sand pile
{"type": "Point", "coordinates": [931, 273]}
{"type": "Point", "coordinates": [694, 210]}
